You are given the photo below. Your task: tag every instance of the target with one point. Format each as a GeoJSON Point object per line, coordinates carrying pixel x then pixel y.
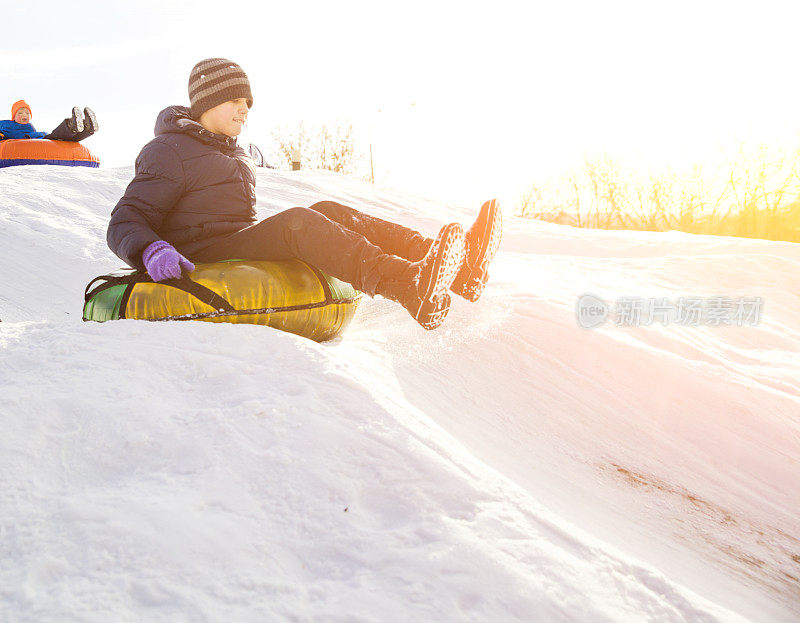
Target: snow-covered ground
{"type": "Point", "coordinates": [510, 466]}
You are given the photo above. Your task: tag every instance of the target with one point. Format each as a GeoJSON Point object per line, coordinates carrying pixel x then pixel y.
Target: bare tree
{"type": "Point", "coordinates": [757, 194]}
{"type": "Point", "coordinates": [329, 146]}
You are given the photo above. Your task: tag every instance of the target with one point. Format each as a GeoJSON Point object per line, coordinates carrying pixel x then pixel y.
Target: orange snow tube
{"type": "Point", "coordinates": [14, 152]}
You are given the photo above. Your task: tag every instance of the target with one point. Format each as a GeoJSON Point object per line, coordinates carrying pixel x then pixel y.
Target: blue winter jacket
{"type": "Point", "coordinates": [12, 129]}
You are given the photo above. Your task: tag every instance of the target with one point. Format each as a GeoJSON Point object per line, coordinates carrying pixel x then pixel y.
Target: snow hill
{"type": "Point", "coordinates": [510, 466]}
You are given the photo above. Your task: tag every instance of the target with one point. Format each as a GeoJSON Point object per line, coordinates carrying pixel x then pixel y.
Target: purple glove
{"type": "Point", "coordinates": [162, 261]}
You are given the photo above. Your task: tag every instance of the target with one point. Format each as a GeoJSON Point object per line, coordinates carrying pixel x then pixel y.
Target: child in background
{"type": "Point", "coordinates": [78, 126]}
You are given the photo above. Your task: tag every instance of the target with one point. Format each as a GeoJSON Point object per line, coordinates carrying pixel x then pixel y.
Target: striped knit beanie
{"type": "Point", "coordinates": [215, 81]}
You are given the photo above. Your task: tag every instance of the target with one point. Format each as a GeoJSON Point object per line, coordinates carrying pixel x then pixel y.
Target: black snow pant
{"type": "Point", "coordinates": [341, 241]}
{"type": "Point", "coordinates": [63, 133]}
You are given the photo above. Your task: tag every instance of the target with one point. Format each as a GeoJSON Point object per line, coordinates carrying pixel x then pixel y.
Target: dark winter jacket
{"type": "Point", "coordinates": [12, 129]}
{"type": "Point", "coordinates": [190, 188]}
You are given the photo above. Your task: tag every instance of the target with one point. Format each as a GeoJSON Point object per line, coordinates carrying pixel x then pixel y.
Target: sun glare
{"type": "Point", "coordinates": [463, 104]}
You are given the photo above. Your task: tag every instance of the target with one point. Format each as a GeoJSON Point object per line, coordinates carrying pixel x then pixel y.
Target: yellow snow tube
{"type": "Point", "coordinates": [287, 295]}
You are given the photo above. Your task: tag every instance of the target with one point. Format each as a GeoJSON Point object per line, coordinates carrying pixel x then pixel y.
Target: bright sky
{"type": "Point", "coordinates": [474, 100]}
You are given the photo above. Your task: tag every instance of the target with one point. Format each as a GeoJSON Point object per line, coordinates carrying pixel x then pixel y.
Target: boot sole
{"type": "Point", "coordinates": [76, 121]}
{"type": "Point", "coordinates": [435, 318]}
{"type": "Point", "coordinates": [475, 282]}
{"type": "Point", "coordinates": [448, 249]}
{"type": "Point", "coordinates": [491, 242]}
{"type": "Point", "coordinates": [90, 120]}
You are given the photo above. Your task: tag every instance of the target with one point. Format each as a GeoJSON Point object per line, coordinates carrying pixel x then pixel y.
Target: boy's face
{"type": "Point", "coordinates": [23, 116]}
{"type": "Point", "coordinates": [227, 118]}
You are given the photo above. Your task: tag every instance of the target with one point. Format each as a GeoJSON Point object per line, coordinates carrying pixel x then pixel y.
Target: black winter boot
{"type": "Point", "coordinates": [482, 241]}
{"type": "Point", "coordinates": [422, 290]}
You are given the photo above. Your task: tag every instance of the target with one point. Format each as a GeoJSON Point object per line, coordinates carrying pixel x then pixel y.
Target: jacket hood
{"type": "Point", "coordinates": [178, 119]}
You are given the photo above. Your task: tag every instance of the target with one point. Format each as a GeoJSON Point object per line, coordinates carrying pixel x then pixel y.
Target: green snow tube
{"type": "Point", "coordinates": [287, 295]}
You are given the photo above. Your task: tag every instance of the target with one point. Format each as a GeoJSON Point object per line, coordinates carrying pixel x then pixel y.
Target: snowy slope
{"type": "Point", "coordinates": [508, 466]}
